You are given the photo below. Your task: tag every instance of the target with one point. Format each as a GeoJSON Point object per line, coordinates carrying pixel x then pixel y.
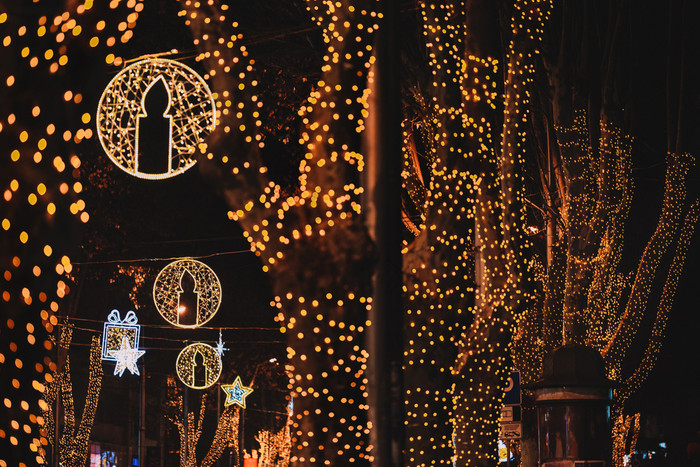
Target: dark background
{"type": "Point", "coordinates": [137, 226]}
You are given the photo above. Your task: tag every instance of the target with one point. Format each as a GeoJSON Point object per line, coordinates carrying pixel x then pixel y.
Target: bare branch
{"type": "Point", "coordinates": [674, 197]}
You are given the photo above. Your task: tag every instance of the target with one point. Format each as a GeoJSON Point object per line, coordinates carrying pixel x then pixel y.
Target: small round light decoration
{"type": "Point", "coordinates": [198, 365]}
{"type": "Point", "coordinates": [187, 293]}
{"type": "Point", "coordinates": [188, 116]}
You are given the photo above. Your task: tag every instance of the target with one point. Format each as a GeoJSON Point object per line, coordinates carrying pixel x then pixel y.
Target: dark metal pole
{"type": "Point", "coordinates": [56, 449]}
{"type": "Point", "coordinates": [241, 435]}
{"type": "Point", "coordinates": [142, 419]}
{"type": "Point", "coordinates": [161, 427]}
{"type": "Point", "coordinates": [383, 182]}
{"type": "Point", "coordinates": [185, 423]}
{"type": "Point", "coordinates": [507, 453]}
{"type": "Point", "coordinates": [218, 415]}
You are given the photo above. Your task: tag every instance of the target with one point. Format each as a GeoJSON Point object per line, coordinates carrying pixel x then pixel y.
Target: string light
{"type": "Point", "coordinates": [190, 111]}
{"type": "Point", "coordinates": [625, 427]}
{"type": "Point", "coordinates": [194, 356]}
{"type": "Point", "coordinates": [236, 393]}
{"type": "Point", "coordinates": [168, 291]}
{"type": "Point", "coordinates": [42, 190]}
{"type": "Point", "coordinates": [587, 275]}
{"type": "Point", "coordinates": [275, 448]}
{"type": "Point", "coordinates": [322, 217]}
{"type": "Point", "coordinates": [126, 358]}
{"type": "Point", "coordinates": [470, 205]}
{"type": "Point", "coordinates": [73, 447]}
{"type": "Point", "coordinates": [226, 435]}
{"type": "Point", "coordinates": [319, 222]}
{"type": "Point", "coordinates": [115, 330]}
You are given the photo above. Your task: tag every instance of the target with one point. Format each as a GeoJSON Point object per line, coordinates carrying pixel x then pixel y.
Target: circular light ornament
{"type": "Point", "coordinates": [188, 116]}
{"type": "Point", "coordinates": [187, 293]}
{"type": "Point", "coordinates": [198, 365]}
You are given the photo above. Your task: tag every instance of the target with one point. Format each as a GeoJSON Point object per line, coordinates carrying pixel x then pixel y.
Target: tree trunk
{"type": "Point", "coordinates": [314, 245]}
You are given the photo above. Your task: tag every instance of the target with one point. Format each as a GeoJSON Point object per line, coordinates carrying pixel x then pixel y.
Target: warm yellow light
{"type": "Point", "coordinates": [191, 109]}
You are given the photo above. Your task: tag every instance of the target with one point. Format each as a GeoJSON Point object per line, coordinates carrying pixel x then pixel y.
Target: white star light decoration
{"type": "Point", "coordinates": [220, 346]}
{"type": "Point", "coordinates": [126, 358]}
{"type": "Point", "coordinates": [236, 393]}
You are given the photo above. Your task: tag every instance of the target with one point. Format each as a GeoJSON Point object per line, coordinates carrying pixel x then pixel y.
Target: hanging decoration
{"type": "Point", "coordinates": [220, 349]}
{"type": "Point", "coordinates": [236, 393]}
{"type": "Point", "coordinates": [187, 117]}
{"type": "Point", "coordinates": [187, 293]}
{"type": "Point", "coordinates": [115, 330]}
{"type": "Point", "coordinates": [126, 358]}
{"type": "Point", "coordinates": [198, 365]}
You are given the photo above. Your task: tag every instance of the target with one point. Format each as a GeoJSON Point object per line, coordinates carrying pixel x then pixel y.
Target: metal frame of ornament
{"type": "Point", "coordinates": [236, 393]}
{"type": "Point", "coordinates": [121, 104]}
{"type": "Point", "coordinates": [185, 363]}
{"type": "Point", "coordinates": [166, 291]}
{"type": "Point", "coordinates": [115, 329]}
{"type": "Point", "coordinates": [126, 358]}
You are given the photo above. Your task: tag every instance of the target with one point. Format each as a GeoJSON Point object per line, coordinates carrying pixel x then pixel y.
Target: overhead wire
{"type": "Point", "coordinates": [99, 331]}
{"type": "Point", "coordinates": [143, 260]}
{"type": "Point", "coordinates": [84, 344]}
{"type": "Point", "coordinates": [166, 326]}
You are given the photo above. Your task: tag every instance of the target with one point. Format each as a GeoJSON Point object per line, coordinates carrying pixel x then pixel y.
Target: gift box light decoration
{"type": "Point", "coordinates": [189, 116]}
{"type": "Point", "coordinates": [198, 365]}
{"type": "Point", "coordinates": [187, 293]}
{"type": "Point", "coordinates": [115, 330]}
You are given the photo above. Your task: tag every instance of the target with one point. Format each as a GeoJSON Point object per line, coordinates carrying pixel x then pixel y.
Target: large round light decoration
{"type": "Point", "coordinates": [187, 293]}
{"type": "Point", "coordinates": [183, 116]}
{"type": "Point", "coordinates": [198, 365]}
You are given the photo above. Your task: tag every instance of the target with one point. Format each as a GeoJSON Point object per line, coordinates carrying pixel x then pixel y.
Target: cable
{"type": "Point", "coordinates": [165, 326]}
{"type": "Point", "coordinates": [99, 331]}
{"type": "Point", "coordinates": [142, 260]}
{"type": "Point", "coordinates": [177, 349]}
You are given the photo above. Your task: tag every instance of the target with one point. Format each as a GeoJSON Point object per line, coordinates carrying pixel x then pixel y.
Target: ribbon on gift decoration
{"type": "Point", "coordinates": [115, 318]}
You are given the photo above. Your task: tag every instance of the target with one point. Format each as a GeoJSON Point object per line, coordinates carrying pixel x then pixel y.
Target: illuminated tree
{"type": "Point", "coordinates": [189, 433]}
{"type": "Point", "coordinates": [275, 448]}
{"type": "Point", "coordinates": [313, 242]}
{"type": "Point", "coordinates": [586, 265]}
{"type": "Point", "coordinates": [585, 179]}
{"type": "Point", "coordinates": [42, 211]}
{"type": "Point", "coordinates": [73, 446]}
{"type": "Point", "coordinates": [467, 281]}
{"type": "Point", "coordinates": [587, 293]}
{"type": "Point", "coordinates": [311, 239]}
{"type": "Point", "coordinates": [460, 323]}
